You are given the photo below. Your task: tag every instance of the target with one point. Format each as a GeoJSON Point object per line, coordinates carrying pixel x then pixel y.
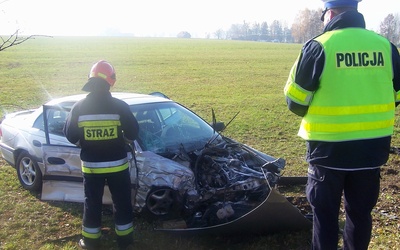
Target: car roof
{"type": "Point", "coordinates": [129, 98]}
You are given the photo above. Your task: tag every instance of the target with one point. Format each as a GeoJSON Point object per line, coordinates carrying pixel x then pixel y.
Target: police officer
{"type": "Point", "coordinates": [345, 85]}
{"type": "Point", "coordinates": [102, 126]}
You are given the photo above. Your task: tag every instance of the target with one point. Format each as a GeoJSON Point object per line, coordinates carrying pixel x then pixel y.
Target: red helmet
{"type": "Point", "coordinates": [104, 70]}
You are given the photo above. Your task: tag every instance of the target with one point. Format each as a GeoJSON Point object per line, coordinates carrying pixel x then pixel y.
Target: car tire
{"type": "Point", "coordinates": [162, 202]}
{"type": "Point", "coordinates": [28, 172]}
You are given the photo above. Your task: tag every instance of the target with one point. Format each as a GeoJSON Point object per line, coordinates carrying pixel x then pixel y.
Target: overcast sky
{"type": "Point", "coordinates": [160, 17]}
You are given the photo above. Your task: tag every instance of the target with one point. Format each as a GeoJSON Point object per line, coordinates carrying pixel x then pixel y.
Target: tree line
{"type": "Point", "coordinates": [307, 25]}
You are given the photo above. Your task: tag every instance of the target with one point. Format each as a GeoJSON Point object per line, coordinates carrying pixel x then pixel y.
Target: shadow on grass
{"type": "Point", "coordinates": [145, 237]}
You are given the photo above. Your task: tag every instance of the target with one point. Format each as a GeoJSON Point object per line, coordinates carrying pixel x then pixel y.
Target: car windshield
{"type": "Point", "coordinates": [167, 127]}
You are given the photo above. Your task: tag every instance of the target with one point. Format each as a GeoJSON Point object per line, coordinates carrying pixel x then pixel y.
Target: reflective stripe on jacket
{"type": "Point", "coordinates": [355, 99]}
{"type": "Point", "coordinates": [100, 126]}
{"type": "Point", "coordinates": [104, 167]}
{"type": "Point", "coordinates": [294, 91]}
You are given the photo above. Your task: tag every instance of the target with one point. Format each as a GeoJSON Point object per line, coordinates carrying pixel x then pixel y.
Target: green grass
{"type": "Point", "coordinates": [227, 76]}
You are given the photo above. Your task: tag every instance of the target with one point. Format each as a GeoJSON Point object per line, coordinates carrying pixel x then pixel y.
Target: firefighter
{"type": "Point", "coordinates": [102, 126]}
{"type": "Point", "coordinates": [345, 85]}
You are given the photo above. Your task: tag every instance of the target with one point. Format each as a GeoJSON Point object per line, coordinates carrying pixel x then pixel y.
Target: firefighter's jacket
{"type": "Point", "coordinates": [345, 84]}
{"type": "Point", "coordinates": [101, 125]}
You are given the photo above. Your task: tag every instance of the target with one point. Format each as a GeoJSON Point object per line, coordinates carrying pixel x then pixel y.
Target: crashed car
{"type": "Point", "coordinates": [181, 167]}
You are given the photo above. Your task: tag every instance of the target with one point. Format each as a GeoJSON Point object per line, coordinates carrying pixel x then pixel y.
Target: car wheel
{"type": "Point", "coordinates": [28, 172]}
{"type": "Point", "coordinates": [162, 202]}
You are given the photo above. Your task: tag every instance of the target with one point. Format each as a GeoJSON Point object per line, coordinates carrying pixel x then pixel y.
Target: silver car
{"type": "Point", "coordinates": [181, 166]}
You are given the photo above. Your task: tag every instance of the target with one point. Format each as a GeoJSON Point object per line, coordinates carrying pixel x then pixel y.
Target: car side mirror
{"type": "Point", "coordinates": [218, 126]}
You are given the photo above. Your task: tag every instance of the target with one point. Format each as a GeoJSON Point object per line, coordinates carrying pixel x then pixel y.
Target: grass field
{"type": "Point", "coordinates": [228, 76]}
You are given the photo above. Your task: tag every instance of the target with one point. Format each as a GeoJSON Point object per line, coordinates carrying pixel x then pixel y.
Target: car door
{"type": "Point", "coordinates": [62, 175]}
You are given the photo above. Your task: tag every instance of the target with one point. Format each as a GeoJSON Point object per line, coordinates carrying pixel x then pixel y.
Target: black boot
{"type": "Point", "coordinates": [125, 242]}
{"type": "Point", "coordinates": [89, 244]}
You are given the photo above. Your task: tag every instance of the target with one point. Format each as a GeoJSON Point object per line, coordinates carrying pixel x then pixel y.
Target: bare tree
{"type": "Point", "coordinates": [245, 29]}
{"type": "Point", "coordinates": [276, 30]}
{"type": "Point", "coordinates": [264, 30]}
{"type": "Point", "coordinates": [390, 28]}
{"type": "Point", "coordinates": [219, 34]}
{"type": "Point", "coordinates": [13, 40]}
{"type": "Point", "coordinates": [234, 32]}
{"type": "Point", "coordinates": [315, 23]}
{"type": "Point", "coordinates": [255, 29]}
{"type": "Point", "coordinates": [184, 34]}
{"type": "Point", "coordinates": [307, 25]}
{"type": "Point", "coordinates": [287, 36]}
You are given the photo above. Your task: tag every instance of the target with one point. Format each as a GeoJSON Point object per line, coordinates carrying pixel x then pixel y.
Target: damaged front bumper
{"type": "Point", "coordinates": [274, 214]}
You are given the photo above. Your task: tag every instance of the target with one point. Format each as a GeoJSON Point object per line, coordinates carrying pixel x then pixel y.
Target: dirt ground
{"type": "Point", "coordinates": [388, 206]}
{"type": "Point", "coordinates": [386, 214]}
{"type": "Point", "coordinates": [389, 201]}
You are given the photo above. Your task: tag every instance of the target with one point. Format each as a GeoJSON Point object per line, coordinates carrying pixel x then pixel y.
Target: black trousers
{"type": "Point", "coordinates": [360, 191]}
{"type": "Point", "coordinates": [119, 184]}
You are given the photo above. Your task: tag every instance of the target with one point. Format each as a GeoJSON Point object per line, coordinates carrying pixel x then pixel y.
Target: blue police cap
{"type": "Point", "coordinates": [329, 4]}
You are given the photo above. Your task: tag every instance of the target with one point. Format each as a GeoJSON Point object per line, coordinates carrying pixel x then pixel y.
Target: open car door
{"type": "Point", "coordinates": [62, 176]}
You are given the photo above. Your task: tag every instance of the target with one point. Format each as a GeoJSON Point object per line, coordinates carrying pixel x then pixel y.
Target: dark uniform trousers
{"type": "Point", "coordinates": [324, 192]}
{"type": "Point", "coordinates": [120, 187]}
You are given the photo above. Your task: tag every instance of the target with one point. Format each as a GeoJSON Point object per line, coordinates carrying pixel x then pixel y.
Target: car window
{"type": "Point", "coordinates": [39, 123]}
{"type": "Point", "coordinates": [166, 127]}
{"type": "Point", "coordinates": [163, 127]}
{"type": "Point", "coordinates": [56, 120]}
{"type": "Point", "coordinates": [166, 113]}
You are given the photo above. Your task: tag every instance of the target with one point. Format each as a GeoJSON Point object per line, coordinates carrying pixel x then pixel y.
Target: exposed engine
{"type": "Point", "coordinates": [230, 181]}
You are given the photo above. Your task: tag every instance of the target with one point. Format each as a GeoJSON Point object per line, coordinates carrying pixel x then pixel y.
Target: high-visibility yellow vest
{"type": "Point", "coordinates": [355, 98]}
